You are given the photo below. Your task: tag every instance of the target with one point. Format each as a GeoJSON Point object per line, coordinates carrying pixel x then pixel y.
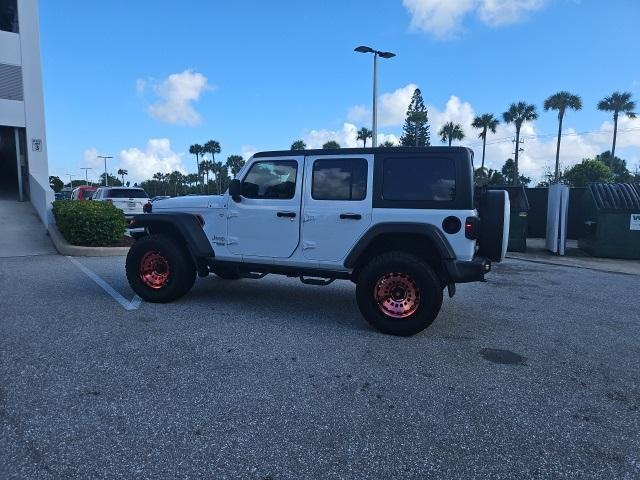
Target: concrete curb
{"type": "Point", "coordinates": [631, 269]}
{"type": "Point", "coordinates": [65, 248]}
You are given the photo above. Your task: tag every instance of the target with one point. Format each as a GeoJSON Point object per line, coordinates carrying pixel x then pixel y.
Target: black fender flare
{"type": "Point", "coordinates": [185, 225]}
{"type": "Point", "coordinates": [432, 232]}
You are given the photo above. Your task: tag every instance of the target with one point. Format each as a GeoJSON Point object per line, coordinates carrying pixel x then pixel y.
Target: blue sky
{"type": "Point", "coordinates": [143, 80]}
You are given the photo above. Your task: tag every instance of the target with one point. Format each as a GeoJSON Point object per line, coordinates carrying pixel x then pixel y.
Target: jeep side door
{"type": "Point", "coordinates": [336, 204]}
{"type": "Point", "coordinates": [265, 221]}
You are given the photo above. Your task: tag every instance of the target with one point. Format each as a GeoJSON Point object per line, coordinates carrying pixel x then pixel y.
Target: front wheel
{"type": "Point", "coordinates": [398, 293]}
{"type": "Point", "coordinates": [159, 270]}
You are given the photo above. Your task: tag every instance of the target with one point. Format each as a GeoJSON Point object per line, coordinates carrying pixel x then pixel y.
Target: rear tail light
{"type": "Point", "coordinates": [472, 228]}
{"type": "Point", "coordinates": [147, 207]}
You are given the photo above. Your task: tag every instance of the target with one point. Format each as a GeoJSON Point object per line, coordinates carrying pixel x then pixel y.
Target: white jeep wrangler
{"type": "Point", "coordinates": [401, 223]}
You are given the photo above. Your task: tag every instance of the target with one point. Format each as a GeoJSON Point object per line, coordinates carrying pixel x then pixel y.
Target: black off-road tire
{"type": "Point", "coordinates": [181, 268]}
{"type": "Point", "coordinates": [399, 267]}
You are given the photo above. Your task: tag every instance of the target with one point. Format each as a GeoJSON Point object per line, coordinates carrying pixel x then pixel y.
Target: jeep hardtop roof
{"type": "Point", "coordinates": [352, 151]}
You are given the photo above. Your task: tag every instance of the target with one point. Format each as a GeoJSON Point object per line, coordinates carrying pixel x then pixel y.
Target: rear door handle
{"type": "Point", "coordinates": [350, 216]}
{"type": "Point", "coordinates": [287, 214]}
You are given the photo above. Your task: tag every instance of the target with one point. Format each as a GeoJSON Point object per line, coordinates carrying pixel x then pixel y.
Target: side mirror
{"type": "Point", "coordinates": [235, 189]}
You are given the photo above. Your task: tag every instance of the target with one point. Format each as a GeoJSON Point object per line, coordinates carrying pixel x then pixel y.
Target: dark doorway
{"type": "Point", "coordinates": [8, 164]}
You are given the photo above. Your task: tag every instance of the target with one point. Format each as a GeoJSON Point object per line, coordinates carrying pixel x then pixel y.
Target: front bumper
{"type": "Point", "coordinates": [460, 271]}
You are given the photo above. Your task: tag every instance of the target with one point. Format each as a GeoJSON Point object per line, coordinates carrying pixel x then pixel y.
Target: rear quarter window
{"type": "Point", "coordinates": [414, 179]}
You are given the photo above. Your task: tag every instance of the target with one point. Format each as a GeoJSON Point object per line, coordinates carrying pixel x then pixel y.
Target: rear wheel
{"type": "Point", "coordinates": [398, 293]}
{"type": "Point", "coordinates": [159, 269]}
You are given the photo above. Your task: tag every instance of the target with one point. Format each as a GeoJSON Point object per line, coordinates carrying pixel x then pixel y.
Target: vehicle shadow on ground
{"type": "Point", "coordinates": [289, 298]}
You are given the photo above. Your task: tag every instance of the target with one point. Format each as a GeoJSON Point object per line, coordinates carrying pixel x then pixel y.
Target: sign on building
{"type": "Point", "coordinates": [36, 144]}
{"type": "Point", "coordinates": [635, 221]}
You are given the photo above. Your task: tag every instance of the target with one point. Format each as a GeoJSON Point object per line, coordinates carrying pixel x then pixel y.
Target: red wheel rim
{"type": "Point", "coordinates": [154, 270]}
{"type": "Point", "coordinates": [397, 295]}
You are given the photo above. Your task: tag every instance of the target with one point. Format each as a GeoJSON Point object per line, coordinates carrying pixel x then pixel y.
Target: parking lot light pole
{"type": "Point", "coordinates": [106, 177]}
{"type": "Point", "coordinates": [86, 174]}
{"type": "Point", "coordinates": [376, 54]}
{"type": "Point", "coordinates": [70, 181]}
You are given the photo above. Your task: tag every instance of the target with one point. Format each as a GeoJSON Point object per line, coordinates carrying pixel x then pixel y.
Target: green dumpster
{"type": "Point", "coordinates": [519, 218]}
{"type": "Point", "coordinates": [612, 226]}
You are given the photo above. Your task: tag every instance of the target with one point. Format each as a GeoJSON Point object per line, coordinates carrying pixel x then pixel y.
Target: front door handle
{"type": "Point", "coordinates": [350, 216]}
{"type": "Point", "coordinates": [287, 214]}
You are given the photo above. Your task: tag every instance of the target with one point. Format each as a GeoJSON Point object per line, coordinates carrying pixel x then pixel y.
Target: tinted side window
{"type": "Point", "coordinates": [272, 180]}
{"type": "Point", "coordinates": [415, 179]}
{"type": "Point", "coordinates": [339, 179]}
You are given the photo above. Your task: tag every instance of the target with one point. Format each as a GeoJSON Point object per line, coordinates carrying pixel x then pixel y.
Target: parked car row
{"type": "Point", "coordinates": [131, 200]}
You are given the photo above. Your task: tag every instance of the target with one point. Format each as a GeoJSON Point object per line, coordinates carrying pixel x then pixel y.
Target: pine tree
{"type": "Point", "coordinates": [415, 132]}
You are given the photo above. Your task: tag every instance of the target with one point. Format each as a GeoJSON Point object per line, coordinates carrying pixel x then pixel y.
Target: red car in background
{"type": "Point", "coordinates": [82, 193]}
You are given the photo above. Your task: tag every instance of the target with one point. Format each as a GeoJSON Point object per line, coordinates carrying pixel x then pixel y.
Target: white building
{"type": "Point", "coordinates": [24, 170]}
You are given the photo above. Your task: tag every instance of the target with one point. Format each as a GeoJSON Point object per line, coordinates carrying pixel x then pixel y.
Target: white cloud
{"type": "Point", "coordinates": [157, 156]}
{"type": "Point", "coordinates": [443, 18]}
{"type": "Point", "coordinates": [347, 137]}
{"type": "Point", "coordinates": [247, 151]}
{"type": "Point", "coordinates": [392, 108]}
{"type": "Point", "coordinates": [628, 132]}
{"type": "Point", "coordinates": [141, 84]}
{"type": "Point", "coordinates": [359, 114]}
{"type": "Point", "coordinates": [176, 95]}
{"type": "Point", "coordinates": [91, 158]}
{"type": "Point", "coordinates": [505, 12]}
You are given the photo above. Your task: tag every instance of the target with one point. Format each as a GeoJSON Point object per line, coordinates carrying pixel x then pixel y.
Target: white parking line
{"type": "Point", "coordinates": [126, 304]}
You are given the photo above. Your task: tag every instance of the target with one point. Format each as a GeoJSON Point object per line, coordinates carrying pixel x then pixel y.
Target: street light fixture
{"type": "Point", "coordinates": [376, 54]}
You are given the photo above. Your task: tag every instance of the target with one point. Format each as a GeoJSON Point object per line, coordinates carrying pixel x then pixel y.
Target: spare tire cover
{"type": "Point", "coordinates": [494, 213]}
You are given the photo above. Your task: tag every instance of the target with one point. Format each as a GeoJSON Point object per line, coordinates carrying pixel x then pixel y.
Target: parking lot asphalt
{"type": "Point", "coordinates": [534, 374]}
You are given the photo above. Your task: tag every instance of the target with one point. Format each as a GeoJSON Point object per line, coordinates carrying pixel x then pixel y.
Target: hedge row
{"type": "Point", "coordinates": [90, 224]}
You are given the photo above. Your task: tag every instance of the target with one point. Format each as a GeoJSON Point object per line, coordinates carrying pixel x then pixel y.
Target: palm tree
{"type": "Point", "coordinates": [197, 150]}
{"type": "Point", "coordinates": [617, 102]}
{"type": "Point", "coordinates": [298, 145]}
{"type": "Point", "coordinates": [122, 173]}
{"type": "Point", "coordinates": [206, 166]}
{"type": "Point", "coordinates": [211, 147]}
{"type": "Point", "coordinates": [517, 114]}
{"type": "Point", "coordinates": [363, 134]}
{"type": "Point", "coordinates": [486, 122]}
{"type": "Point", "coordinates": [451, 131]}
{"type": "Point", "coordinates": [387, 144]}
{"type": "Point", "coordinates": [561, 101]}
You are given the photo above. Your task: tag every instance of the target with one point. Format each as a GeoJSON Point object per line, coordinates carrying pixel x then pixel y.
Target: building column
{"type": "Point", "coordinates": [18, 165]}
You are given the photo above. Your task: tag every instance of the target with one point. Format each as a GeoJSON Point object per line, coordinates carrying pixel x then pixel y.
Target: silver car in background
{"type": "Point", "coordinates": [131, 200]}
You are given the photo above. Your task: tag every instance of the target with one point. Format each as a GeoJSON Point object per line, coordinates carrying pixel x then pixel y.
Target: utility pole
{"type": "Point", "coordinates": [86, 174]}
{"type": "Point", "coordinates": [518, 149]}
{"type": "Point", "coordinates": [106, 176]}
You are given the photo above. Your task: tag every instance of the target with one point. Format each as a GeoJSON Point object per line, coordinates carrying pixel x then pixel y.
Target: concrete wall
{"type": "Point", "coordinates": [24, 49]}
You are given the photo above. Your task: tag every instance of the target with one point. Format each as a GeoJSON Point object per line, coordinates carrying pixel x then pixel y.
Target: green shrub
{"type": "Point", "coordinates": [91, 224]}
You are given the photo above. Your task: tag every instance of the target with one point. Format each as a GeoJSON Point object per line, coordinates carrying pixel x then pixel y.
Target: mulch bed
{"type": "Point", "coordinates": [123, 242]}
